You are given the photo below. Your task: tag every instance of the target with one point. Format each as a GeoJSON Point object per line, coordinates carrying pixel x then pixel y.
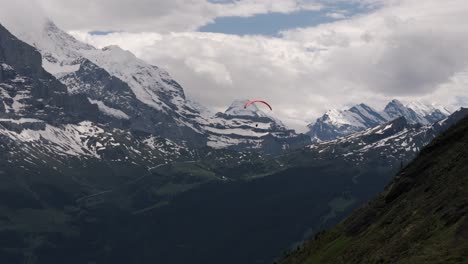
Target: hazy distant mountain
{"type": "Point", "coordinates": [395, 141]}
{"type": "Point", "coordinates": [335, 123]}
{"type": "Point", "coordinates": [431, 113]}
{"type": "Point", "coordinates": [339, 123]}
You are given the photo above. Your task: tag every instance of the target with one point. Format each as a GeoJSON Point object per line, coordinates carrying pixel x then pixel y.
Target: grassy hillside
{"type": "Point", "coordinates": [421, 217]}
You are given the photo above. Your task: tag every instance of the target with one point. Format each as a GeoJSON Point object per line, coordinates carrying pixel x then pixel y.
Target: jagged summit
{"type": "Point", "coordinates": [251, 128]}
{"type": "Point", "coordinates": [367, 114]}
{"type": "Point", "coordinates": [237, 109]}
{"type": "Point", "coordinates": [338, 123]}
{"type": "Point", "coordinates": [425, 109]}
{"type": "Point", "coordinates": [395, 109]}
{"type": "Point", "coordinates": [253, 112]}
{"type": "Point", "coordinates": [431, 112]}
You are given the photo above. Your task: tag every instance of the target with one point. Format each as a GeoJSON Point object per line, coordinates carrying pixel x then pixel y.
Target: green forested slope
{"type": "Point", "coordinates": [421, 217]}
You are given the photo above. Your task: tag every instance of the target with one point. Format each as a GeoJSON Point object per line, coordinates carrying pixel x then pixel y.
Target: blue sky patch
{"type": "Point", "coordinates": [272, 23]}
{"type": "Point", "coordinates": [101, 33]}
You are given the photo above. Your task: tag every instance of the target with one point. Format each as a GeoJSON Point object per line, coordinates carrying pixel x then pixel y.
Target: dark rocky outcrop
{"type": "Point", "coordinates": [44, 95]}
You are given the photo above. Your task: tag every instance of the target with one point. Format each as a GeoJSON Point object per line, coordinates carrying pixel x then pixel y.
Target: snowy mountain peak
{"type": "Point", "coordinates": [396, 103]}
{"type": "Point", "coordinates": [251, 128]}
{"type": "Point", "coordinates": [253, 112]}
{"type": "Point", "coordinates": [60, 51]}
{"type": "Point", "coordinates": [338, 117]}
{"type": "Point", "coordinates": [362, 108]}
{"type": "Point", "coordinates": [237, 109]}
{"type": "Point", "coordinates": [123, 55]}
{"type": "Point", "coordinates": [396, 109]}
{"type": "Point", "coordinates": [425, 109]}
{"type": "Point", "coordinates": [63, 54]}
{"type": "Point", "coordinates": [125, 92]}
{"type": "Point", "coordinates": [61, 37]}
{"type": "Point", "coordinates": [338, 123]}
{"type": "Point", "coordinates": [360, 115]}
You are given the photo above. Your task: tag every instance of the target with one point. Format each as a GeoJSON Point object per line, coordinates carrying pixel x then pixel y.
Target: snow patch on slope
{"type": "Point", "coordinates": [236, 131]}
{"type": "Point", "coordinates": [340, 118]}
{"type": "Point", "coordinates": [221, 142]}
{"type": "Point", "coordinates": [69, 140]}
{"type": "Point", "coordinates": [59, 68]}
{"type": "Point", "coordinates": [6, 67]}
{"type": "Point", "coordinates": [21, 120]}
{"type": "Point", "coordinates": [109, 110]}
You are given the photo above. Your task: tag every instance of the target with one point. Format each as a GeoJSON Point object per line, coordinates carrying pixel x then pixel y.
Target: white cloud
{"type": "Point", "coordinates": [399, 50]}
{"type": "Point", "coordinates": [211, 69]}
{"type": "Point", "coordinates": [253, 7]}
{"type": "Point", "coordinates": [403, 50]}
{"type": "Point", "coordinates": [215, 69]}
{"type": "Point", "coordinates": [155, 16]}
{"type": "Point", "coordinates": [18, 14]}
{"type": "Point", "coordinates": [336, 15]}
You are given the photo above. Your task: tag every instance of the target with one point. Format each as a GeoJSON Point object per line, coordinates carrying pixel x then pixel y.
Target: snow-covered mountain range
{"type": "Point", "coordinates": [393, 142]}
{"type": "Point", "coordinates": [133, 95]}
{"type": "Point", "coordinates": [96, 140]}
{"type": "Point", "coordinates": [339, 123]}
{"type": "Point", "coordinates": [112, 91]}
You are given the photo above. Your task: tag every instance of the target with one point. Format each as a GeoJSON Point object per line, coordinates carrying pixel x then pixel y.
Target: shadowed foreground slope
{"type": "Point", "coordinates": [421, 217]}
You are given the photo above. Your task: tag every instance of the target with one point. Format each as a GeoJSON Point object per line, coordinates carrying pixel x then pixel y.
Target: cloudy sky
{"type": "Point", "coordinates": [304, 56]}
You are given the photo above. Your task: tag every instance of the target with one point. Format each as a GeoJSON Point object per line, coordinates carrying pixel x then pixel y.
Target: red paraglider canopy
{"type": "Point", "coordinates": [257, 101]}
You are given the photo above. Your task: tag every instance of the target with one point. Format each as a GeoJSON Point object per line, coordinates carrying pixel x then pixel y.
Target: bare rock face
{"type": "Point", "coordinates": [27, 89]}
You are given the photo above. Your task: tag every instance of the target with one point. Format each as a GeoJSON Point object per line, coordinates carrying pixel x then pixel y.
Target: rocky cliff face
{"type": "Point", "coordinates": [28, 90]}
